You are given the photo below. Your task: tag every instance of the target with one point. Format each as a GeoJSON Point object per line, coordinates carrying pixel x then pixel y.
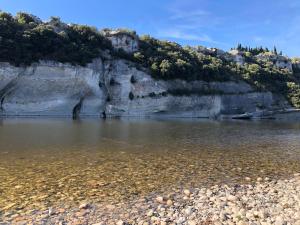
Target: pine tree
{"type": "Point", "coordinates": [239, 47]}
{"type": "Point", "coordinates": [275, 50]}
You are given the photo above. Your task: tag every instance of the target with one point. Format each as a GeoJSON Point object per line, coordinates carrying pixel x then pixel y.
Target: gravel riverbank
{"type": "Point", "coordinates": [262, 202]}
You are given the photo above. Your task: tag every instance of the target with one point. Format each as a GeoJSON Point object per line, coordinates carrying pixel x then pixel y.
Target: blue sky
{"type": "Point", "coordinates": [212, 23]}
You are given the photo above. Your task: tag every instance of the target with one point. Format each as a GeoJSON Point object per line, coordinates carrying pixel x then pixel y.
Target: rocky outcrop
{"type": "Point", "coordinates": [237, 57]}
{"type": "Point", "coordinates": [279, 61]}
{"type": "Point", "coordinates": [51, 89]}
{"type": "Point", "coordinates": [123, 39]}
{"type": "Point", "coordinates": [118, 88]}
{"type": "Point", "coordinates": [152, 97]}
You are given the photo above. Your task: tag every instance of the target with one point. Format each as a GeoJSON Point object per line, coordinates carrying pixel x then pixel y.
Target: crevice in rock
{"type": "Point", "coordinates": [7, 90]}
{"type": "Point", "coordinates": [77, 108]}
{"type": "Point", "coordinates": [1, 104]}
{"type": "Point", "coordinates": [106, 83]}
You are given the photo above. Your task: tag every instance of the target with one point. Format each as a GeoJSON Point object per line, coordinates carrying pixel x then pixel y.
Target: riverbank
{"type": "Point", "coordinates": [262, 202]}
{"type": "Point", "coordinates": [289, 114]}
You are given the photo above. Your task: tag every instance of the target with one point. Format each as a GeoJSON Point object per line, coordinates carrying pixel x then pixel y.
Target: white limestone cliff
{"type": "Point", "coordinates": [56, 89]}
{"type": "Point", "coordinates": [115, 87]}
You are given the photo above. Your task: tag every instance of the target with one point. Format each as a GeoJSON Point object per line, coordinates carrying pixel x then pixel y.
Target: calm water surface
{"type": "Point", "coordinates": [47, 162]}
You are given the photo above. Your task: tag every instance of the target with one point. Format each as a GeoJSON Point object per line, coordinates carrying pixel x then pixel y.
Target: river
{"type": "Point", "coordinates": [47, 162]}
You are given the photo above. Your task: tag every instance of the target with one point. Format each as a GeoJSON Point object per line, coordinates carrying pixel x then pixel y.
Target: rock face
{"type": "Point", "coordinates": [123, 40]}
{"type": "Point", "coordinates": [237, 56]}
{"type": "Point", "coordinates": [50, 88]}
{"type": "Point", "coordinates": [279, 61]}
{"type": "Point", "coordinates": [118, 88]}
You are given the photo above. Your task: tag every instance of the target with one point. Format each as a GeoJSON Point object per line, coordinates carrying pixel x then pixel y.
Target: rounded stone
{"type": "Point", "coordinates": [160, 199]}
{"type": "Point", "coordinates": [187, 192]}
{"type": "Point", "coordinates": [169, 202]}
{"type": "Point", "coordinates": [231, 198]}
{"type": "Point", "coordinates": [150, 213]}
{"type": "Point", "coordinates": [188, 211]}
{"type": "Point", "coordinates": [192, 222]}
{"type": "Point", "coordinates": [120, 222]}
{"type": "Point", "coordinates": [84, 205]}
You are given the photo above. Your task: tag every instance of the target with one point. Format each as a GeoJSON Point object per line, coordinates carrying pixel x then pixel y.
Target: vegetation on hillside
{"type": "Point", "coordinates": [256, 50]}
{"type": "Point", "coordinates": [169, 60]}
{"type": "Point", "coordinates": [25, 39]}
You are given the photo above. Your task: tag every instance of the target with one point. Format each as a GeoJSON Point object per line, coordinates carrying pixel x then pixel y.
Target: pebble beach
{"type": "Point", "coordinates": [260, 202]}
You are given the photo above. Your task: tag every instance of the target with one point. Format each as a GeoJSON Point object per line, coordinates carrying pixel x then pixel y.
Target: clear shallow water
{"type": "Point", "coordinates": [48, 162]}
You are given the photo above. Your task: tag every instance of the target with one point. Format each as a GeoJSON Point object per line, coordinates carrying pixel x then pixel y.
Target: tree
{"type": "Point", "coordinates": [25, 18]}
{"type": "Point", "coordinates": [239, 47]}
{"type": "Point", "coordinates": [165, 67]}
{"type": "Point", "coordinates": [275, 50]}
